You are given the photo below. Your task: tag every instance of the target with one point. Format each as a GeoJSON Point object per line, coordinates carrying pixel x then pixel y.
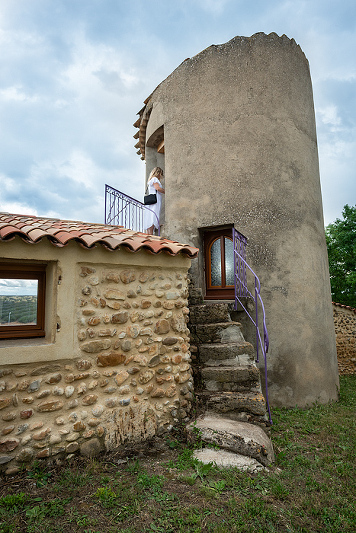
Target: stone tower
{"type": "Point", "coordinates": [234, 129]}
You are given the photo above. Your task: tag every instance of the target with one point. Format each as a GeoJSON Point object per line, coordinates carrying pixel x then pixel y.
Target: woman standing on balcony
{"type": "Point", "coordinates": [152, 212]}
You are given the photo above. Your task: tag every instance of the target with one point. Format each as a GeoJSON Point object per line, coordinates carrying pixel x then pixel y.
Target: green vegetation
{"type": "Point", "coordinates": [22, 309]}
{"type": "Point", "coordinates": [341, 244]}
{"type": "Point", "coordinates": [310, 488]}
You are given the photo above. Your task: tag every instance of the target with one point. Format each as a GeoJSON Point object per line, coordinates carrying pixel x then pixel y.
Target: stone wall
{"type": "Point", "coordinates": [133, 378]}
{"type": "Point", "coordinates": [345, 329]}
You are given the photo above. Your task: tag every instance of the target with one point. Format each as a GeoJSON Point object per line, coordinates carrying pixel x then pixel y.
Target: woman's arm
{"type": "Point", "coordinates": [158, 188]}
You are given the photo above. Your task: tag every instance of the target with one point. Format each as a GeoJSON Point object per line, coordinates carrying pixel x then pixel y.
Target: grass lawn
{"type": "Point", "coordinates": [311, 487]}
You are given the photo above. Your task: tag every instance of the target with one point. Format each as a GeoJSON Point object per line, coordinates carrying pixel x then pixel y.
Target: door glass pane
{"type": "Point", "coordinates": [18, 301]}
{"type": "Point", "coordinates": [215, 257]}
{"type": "Point", "coordinates": [229, 261]}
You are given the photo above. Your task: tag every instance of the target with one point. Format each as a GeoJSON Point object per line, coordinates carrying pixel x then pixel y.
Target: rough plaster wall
{"type": "Point", "coordinates": [240, 148]}
{"type": "Point", "coordinates": [133, 377]}
{"type": "Point", "coordinates": [345, 328]}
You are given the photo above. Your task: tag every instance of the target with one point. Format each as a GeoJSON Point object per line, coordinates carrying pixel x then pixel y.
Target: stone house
{"type": "Point", "coordinates": [234, 130]}
{"type": "Point", "coordinates": [345, 329]}
{"type": "Point", "coordinates": [105, 359]}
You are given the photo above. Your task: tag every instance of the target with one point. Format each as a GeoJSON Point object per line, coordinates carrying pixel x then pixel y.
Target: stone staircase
{"type": "Point", "coordinates": [230, 403]}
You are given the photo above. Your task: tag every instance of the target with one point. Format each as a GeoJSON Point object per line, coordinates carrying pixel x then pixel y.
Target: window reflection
{"type": "Point", "coordinates": [216, 263]}
{"type": "Point", "coordinates": [18, 301]}
{"type": "Point", "coordinates": [229, 262]}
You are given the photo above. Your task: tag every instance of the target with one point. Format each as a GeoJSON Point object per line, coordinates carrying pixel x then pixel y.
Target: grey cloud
{"type": "Point", "coordinates": [83, 69]}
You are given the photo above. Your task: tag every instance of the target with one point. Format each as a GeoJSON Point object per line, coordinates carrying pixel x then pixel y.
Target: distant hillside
{"type": "Point", "coordinates": [20, 309]}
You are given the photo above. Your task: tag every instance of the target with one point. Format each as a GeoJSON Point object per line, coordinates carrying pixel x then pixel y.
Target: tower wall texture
{"type": "Point", "coordinates": [241, 149]}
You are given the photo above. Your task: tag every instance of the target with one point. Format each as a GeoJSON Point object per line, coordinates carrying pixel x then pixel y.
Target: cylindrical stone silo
{"type": "Point", "coordinates": [240, 150]}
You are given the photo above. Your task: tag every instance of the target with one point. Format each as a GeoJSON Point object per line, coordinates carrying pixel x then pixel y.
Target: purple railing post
{"type": "Point", "coordinates": [241, 268]}
{"type": "Point", "coordinates": [235, 269]}
{"type": "Point", "coordinates": [257, 332]}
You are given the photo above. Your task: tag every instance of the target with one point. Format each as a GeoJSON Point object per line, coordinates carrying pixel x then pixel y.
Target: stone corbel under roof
{"type": "Point", "coordinates": [141, 124]}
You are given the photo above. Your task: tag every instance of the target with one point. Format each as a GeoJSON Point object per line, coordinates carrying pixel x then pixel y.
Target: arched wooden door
{"type": "Point", "coordinates": [219, 264]}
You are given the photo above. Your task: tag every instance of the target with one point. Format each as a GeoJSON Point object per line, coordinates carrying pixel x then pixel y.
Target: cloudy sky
{"type": "Point", "coordinates": [18, 287]}
{"type": "Point", "coordinates": [74, 73]}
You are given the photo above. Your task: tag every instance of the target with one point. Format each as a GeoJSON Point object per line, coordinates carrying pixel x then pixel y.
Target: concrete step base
{"type": "Point", "coordinates": [209, 313]}
{"type": "Point", "coordinates": [231, 378]}
{"type": "Point", "coordinates": [227, 459]}
{"type": "Point", "coordinates": [212, 354]}
{"type": "Point", "coordinates": [237, 437]}
{"type": "Point", "coordinates": [222, 332]}
{"type": "Point", "coordinates": [233, 402]}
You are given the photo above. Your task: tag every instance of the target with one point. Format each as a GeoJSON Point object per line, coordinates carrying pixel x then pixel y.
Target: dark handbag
{"type": "Point", "coordinates": [150, 199]}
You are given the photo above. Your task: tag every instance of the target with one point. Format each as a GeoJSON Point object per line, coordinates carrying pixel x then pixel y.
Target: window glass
{"type": "Point", "coordinates": [216, 263]}
{"type": "Point", "coordinates": [22, 300]}
{"type": "Point", "coordinates": [229, 261]}
{"type": "Point", "coordinates": [18, 301]}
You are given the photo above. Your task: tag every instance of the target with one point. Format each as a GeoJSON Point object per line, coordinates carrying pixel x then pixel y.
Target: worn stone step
{"type": "Point", "coordinates": [223, 332]}
{"type": "Point", "coordinates": [233, 402]}
{"type": "Point", "coordinates": [232, 353]}
{"type": "Point", "coordinates": [230, 378]}
{"type": "Point", "coordinates": [209, 313]}
{"type": "Point", "coordinates": [244, 415]}
{"type": "Point", "coordinates": [226, 459]}
{"type": "Point", "coordinates": [238, 437]}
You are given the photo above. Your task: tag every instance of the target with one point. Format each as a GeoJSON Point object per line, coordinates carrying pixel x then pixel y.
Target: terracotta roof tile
{"type": "Point", "coordinates": [9, 230]}
{"type": "Point", "coordinates": [345, 306]}
{"type": "Point", "coordinates": [64, 236]}
{"type": "Point", "coordinates": [36, 233]}
{"type": "Point", "coordinates": [33, 229]}
{"type": "Point", "coordinates": [111, 242]}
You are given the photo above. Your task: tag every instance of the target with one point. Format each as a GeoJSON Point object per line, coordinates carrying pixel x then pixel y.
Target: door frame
{"type": "Point", "coordinates": [223, 291]}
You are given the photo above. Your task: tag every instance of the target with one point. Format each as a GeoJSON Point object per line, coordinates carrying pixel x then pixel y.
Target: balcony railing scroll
{"type": "Point", "coordinates": [122, 210]}
{"type": "Point", "coordinates": [243, 275]}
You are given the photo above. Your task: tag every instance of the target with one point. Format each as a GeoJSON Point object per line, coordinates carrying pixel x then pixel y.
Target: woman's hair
{"type": "Point", "coordinates": [156, 172]}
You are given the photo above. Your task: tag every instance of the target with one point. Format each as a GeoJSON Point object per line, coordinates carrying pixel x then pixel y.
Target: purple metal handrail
{"type": "Point", "coordinates": [122, 210]}
{"type": "Point", "coordinates": [241, 267]}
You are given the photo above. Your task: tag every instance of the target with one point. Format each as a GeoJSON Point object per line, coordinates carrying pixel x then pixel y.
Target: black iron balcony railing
{"type": "Point", "coordinates": [122, 210]}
